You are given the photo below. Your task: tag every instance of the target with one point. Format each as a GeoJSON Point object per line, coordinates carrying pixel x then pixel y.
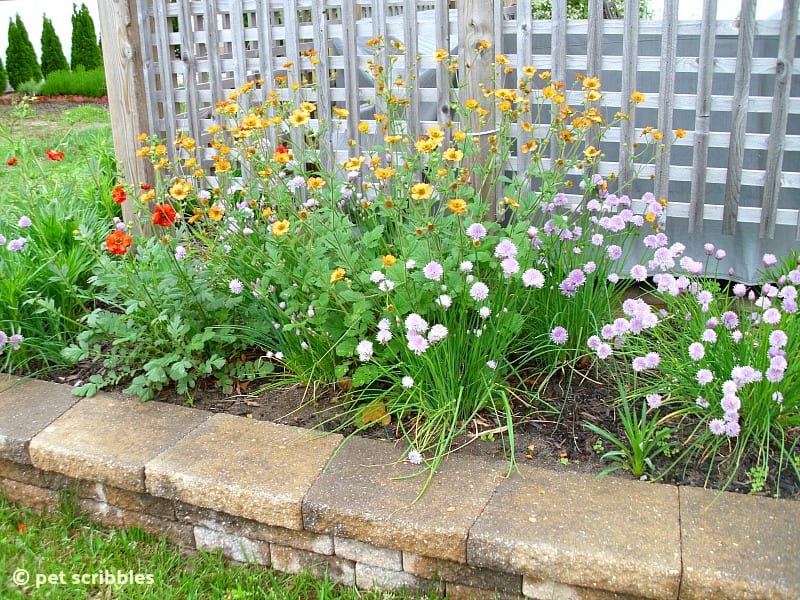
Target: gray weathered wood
{"type": "Point", "coordinates": [741, 94]}
{"type": "Point", "coordinates": [630, 55]}
{"type": "Point", "coordinates": [558, 51]}
{"type": "Point", "coordinates": [165, 74]}
{"type": "Point", "coordinates": [702, 121]}
{"type": "Point", "coordinates": [443, 75]}
{"type": "Point", "coordinates": [412, 66]}
{"type": "Point", "coordinates": [780, 115]}
{"type": "Point", "coordinates": [351, 73]}
{"type": "Point", "coordinates": [594, 57]}
{"type": "Point", "coordinates": [321, 70]}
{"type": "Point", "coordinates": [524, 54]}
{"type": "Point", "coordinates": [666, 87]}
{"type": "Point", "coordinates": [126, 98]}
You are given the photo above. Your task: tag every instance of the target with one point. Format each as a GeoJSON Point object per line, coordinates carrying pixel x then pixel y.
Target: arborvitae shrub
{"type": "Point", "coordinates": [21, 62]}
{"type": "Point", "coordinates": [53, 58]}
{"type": "Point", "coordinates": [3, 78]}
{"type": "Point", "coordinates": [85, 49]}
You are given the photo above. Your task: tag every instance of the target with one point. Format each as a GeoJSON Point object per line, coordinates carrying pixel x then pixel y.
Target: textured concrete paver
{"type": "Point", "coordinates": [360, 497]}
{"type": "Point", "coordinates": [253, 469]}
{"type": "Point", "coordinates": [26, 407]}
{"type": "Point", "coordinates": [737, 546]}
{"type": "Point", "coordinates": [108, 440]}
{"type": "Point", "coordinates": [609, 534]}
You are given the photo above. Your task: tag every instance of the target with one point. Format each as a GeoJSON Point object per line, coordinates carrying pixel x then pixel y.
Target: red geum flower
{"type": "Point", "coordinates": [164, 215]}
{"type": "Point", "coordinates": [118, 242]}
{"type": "Point", "coordinates": [118, 194]}
{"type": "Point", "coordinates": [145, 186]}
{"type": "Point", "coordinates": [12, 161]}
{"type": "Point", "coordinates": [21, 527]}
{"type": "Point", "coordinates": [55, 155]}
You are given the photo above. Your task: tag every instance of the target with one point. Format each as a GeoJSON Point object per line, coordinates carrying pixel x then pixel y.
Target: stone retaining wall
{"type": "Point", "coordinates": [286, 497]}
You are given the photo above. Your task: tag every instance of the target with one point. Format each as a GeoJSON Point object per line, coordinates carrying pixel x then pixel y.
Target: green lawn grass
{"type": "Point", "coordinates": [64, 545]}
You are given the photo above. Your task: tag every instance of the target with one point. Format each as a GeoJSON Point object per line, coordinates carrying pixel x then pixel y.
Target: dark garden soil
{"type": "Point", "coordinates": [550, 434]}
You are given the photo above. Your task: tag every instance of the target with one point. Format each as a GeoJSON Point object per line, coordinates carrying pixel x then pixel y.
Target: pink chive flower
{"type": "Point", "coordinates": [653, 400]}
{"type": "Point", "coordinates": [639, 272]}
{"type": "Point", "coordinates": [505, 249]}
{"type": "Point", "coordinates": [235, 286]}
{"type": "Point", "coordinates": [510, 267]}
{"type": "Point", "coordinates": [603, 351]}
{"type": "Point", "coordinates": [479, 291]}
{"type": "Point", "coordinates": [417, 343]}
{"type": "Point", "coordinates": [613, 252]}
{"type": "Point", "coordinates": [559, 335]}
{"type": "Point", "coordinates": [415, 323]}
{"type": "Point", "coordinates": [365, 350]}
{"type": "Point", "coordinates": [772, 316]}
{"type": "Point", "coordinates": [476, 232]}
{"type": "Point", "coordinates": [709, 336]}
{"type": "Point", "coordinates": [769, 260]}
{"type": "Point", "coordinates": [704, 376]}
{"type": "Point", "coordinates": [533, 278]}
{"type": "Point", "coordinates": [696, 351]}
{"type": "Point", "coordinates": [778, 338]}
{"type": "Point", "coordinates": [433, 271]}
{"type": "Point", "coordinates": [716, 426]}
{"type": "Point", "coordinates": [437, 333]}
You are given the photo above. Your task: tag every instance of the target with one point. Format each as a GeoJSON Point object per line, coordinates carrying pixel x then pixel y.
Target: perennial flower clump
{"type": "Point", "coordinates": [389, 273]}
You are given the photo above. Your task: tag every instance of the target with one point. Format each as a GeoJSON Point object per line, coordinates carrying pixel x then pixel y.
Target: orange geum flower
{"type": "Point", "coordinates": [528, 146]}
{"type": "Point", "coordinates": [421, 191]}
{"type": "Point", "coordinates": [425, 145]}
{"type": "Point", "coordinates": [164, 215]}
{"type": "Point", "coordinates": [529, 70]}
{"type": "Point", "coordinates": [459, 135]}
{"type": "Point", "coordinates": [147, 196]}
{"type": "Point", "coordinates": [222, 166]}
{"type": "Point", "coordinates": [216, 212]}
{"type": "Point", "coordinates": [299, 117]}
{"type": "Point", "coordinates": [484, 45]}
{"type": "Point", "coordinates": [353, 164]}
{"type": "Point", "coordinates": [118, 242]}
{"type": "Point", "coordinates": [457, 206]}
{"type": "Point", "coordinates": [118, 194]}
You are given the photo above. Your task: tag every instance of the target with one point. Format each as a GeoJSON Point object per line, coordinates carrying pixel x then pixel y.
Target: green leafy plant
{"type": "Point", "coordinates": [79, 82]}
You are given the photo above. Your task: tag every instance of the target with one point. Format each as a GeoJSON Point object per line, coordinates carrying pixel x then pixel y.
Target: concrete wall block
{"type": "Point", "coordinates": [553, 590]}
{"type": "Point", "coordinates": [457, 591]}
{"type": "Point", "coordinates": [292, 560]}
{"type": "Point", "coordinates": [26, 473]}
{"type": "Point", "coordinates": [362, 552]}
{"type": "Point", "coordinates": [369, 576]}
{"type": "Point", "coordinates": [138, 502]}
{"type": "Point", "coordinates": [34, 497]}
{"type": "Point", "coordinates": [235, 547]}
{"type": "Point", "coordinates": [476, 577]}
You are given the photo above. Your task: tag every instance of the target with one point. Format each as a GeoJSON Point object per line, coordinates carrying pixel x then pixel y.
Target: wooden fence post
{"type": "Point", "coordinates": [122, 57]}
{"type": "Point", "coordinates": [476, 23]}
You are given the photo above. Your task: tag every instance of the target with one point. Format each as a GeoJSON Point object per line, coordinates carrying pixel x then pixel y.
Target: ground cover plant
{"type": "Point", "coordinates": [64, 541]}
{"type": "Point", "coordinates": [384, 275]}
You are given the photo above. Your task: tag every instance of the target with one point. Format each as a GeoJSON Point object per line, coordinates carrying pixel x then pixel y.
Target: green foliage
{"type": "Point", "coordinates": [86, 51]}
{"type": "Point", "coordinates": [79, 82]}
{"type": "Point", "coordinates": [21, 62]}
{"type": "Point", "coordinates": [579, 9]}
{"type": "Point", "coordinates": [3, 77]}
{"type": "Point", "coordinates": [53, 58]}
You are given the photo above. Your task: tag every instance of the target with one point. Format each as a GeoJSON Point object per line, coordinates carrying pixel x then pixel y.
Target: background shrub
{"type": "Point", "coordinates": [21, 62]}
{"type": "Point", "coordinates": [82, 83]}
{"type": "Point", "coordinates": [53, 58]}
{"type": "Point", "coordinates": [3, 77]}
{"type": "Point", "coordinates": [85, 49]}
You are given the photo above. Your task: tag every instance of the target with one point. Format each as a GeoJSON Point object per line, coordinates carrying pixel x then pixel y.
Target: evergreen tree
{"type": "Point", "coordinates": [3, 78]}
{"type": "Point", "coordinates": [85, 49]}
{"type": "Point", "coordinates": [21, 62]}
{"type": "Point", "coordinates": [53, 58]}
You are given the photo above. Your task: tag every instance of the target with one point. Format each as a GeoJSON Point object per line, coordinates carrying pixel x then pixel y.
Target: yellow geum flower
{"type": "Point", "coordinates": [593, 95]}
{"type": "Point", "coordinates": [453, 154]}
{"type": "Point", "coordinates": [337, 274]}
{"type": "Point", "coordinates": [591, 152]}
{"type": "Point", "coordinates": [279, 228]}
{"type": "Point", "coordinates": [340, 112]}
{"type": "Point", "coordinates": [471, 104]}
{"type": "Point", "coordinates": [440, 55]}
{"type": "Point", "coordinates": [308, 106]}
{"type": "Point", "coordinates": [389, 260]}
{"type": "Point", "coordinates": [363, 127]}
{"type": "Point", "coordinates": [180, 189]}
{"type": "Point", "coordinates": [216, 212]}
{"type": "Point", "coordinates": [421, 191]}
{"type": "Point", "coordinates": [353, 164]}
{"type": "Point", "coordinates": [299, 117]}
{"type": "Point", "coordinates": [591, 83]}
{"type": "Point", "coordinates": [425, 145]}
{"type": "Point", "coordinates": [383, 173]}
{"type": "Point", "coordinates": [315, 183]}
{"type": "Point", "coordinates": [638, 97]}
{"type": "Point", "coordinates": [457, 206]}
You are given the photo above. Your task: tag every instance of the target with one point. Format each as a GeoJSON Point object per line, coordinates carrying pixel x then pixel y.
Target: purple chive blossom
{"type": "Point", "coordinates": [778, 338]}
{"type": "Point", "coordinates": [705, 297]}
{"type": "Point", "coordinates": [235, 286]}
{"type": "Point", "coordinates": [444, 301]}
{"type": "Point", "coordinates": [414, 457]}
{"type": "Point", "coordinates": [709, 249]}
{"type": "Point", "coordinates": [594, 342]}
{"type": "Point", "coordinates": [603, 351]}
{"type": "Point", "coordinates": [491, 364]}
{"type": "Point", "coordinates": [485, 312]}
{"type": "Point", "coordinates": [376, 277]}
{"type": "Point", "coordinates": [730, 320]}
{"type": "Point", "coordinates": [709, 336]}
{"type": "Point", "coordinates": [365, 350]}
{"type": "Point", "coordinates": [24, 222]}
{"type": "Point", "coordinates": [476, 232]}
{"type": "Point", "coordinates": [415, 323]}
{"type": "Point", "coordinates": [702, 402]}
{"type": "Point", "coordinates": [383, 337]}
{"type": "Point", "coordinates": [639, 364]}
{"type": "Point", "coordinates": [180, 252]}
{"type": "Point", "coordinates": [716, 426]}
{"type": "Point", "coordinates": [417, 343]}
{"type": "Point", "coordinates": [777, 397]}
{"type": "Point", "coordinates": [3, 339]}
{"type": "Point", "coordinates": [732, 428]}
{"type": "Point", "coordinates": [739, 290]}
{"type": "Point", "coordinates": [613, 252]}
{"type": "Point", "coordinates": [720, 254]}
{"type": "Point", "coordinates": [410, 264]}
{"type": "Point", "coordinates": [559, 335]}
{"type": "Point", "coordinates": [466, 266]}
{"type": "Point", "coordinates": [479, 291]}
{"type": "Point", "coordinates": [704, 376]}
{"type": "Point", "coordinates": [15, 340]}
{"type": "Point", "coordinates": [769, 260]}
{"type": "Point", "coordinates": [505, 249]}
{"type": "Point", "coordinates": [510, 267]}
{"type": "Point", "coordinates": [387, 285]}
{"type": "Point", "coordinates": [639, 272]}
{"type": "Point", "coordinates": [590, 267]}
{"type": "Point", "coordinates": [653, 400]}
{"type": "Point", "coordinates": [2, 240]}
{"type": "Point", "coordinates": [653, 360]}
{"type": "Point", "coordinates": [437, 333]}
{"type": "Point", "coordinates": [433, 271]}
{"type": "Point", "coordinates": [772, 316]}
{"type": "Point", "coordinates": [17, 244]}
{"type": "Point", "coordinates": [533, 278]}
{"type": "Point", "coordinates": [696, 351]}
